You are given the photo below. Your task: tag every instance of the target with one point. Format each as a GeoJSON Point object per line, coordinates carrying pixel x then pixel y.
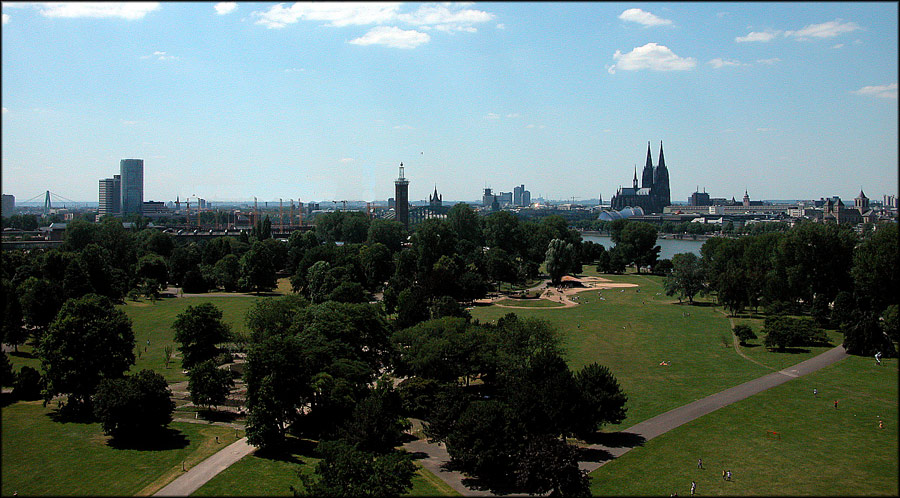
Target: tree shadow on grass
{"type": "Point", "coordinates": [162, 440]}
{"type": "Point", "coordinates": [791, 350]}
{"type": "Point", "coordinates": [6, 399]}
{"type": "Point", "coordinates": [218, 416]}
{"type": "Point", "coordinates": [289, 450]}
{"type": "Point", "coordinates": [616, 439]}
{"type": "Point", "coordinates": [21, 354]}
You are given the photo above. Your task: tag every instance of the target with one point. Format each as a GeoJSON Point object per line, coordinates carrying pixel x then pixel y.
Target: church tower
{"type": "Point", "coordinates": [647, 180]}
{"type": "Point", "coordinates": [661, 181]}
{"type": "Point", "coordinates": [401, 204]}
{"type": "Point", "coordinates": [435, 200]}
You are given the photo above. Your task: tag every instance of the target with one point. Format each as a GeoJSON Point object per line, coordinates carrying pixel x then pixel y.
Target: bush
{"type": "Point", "coordinates": [194, 283]}
{"type": "Point", "coordinates": [744, 333]}
{"type": "Point", "coordinates": [27, 384]}
{"type": "Point", "coordinates": [783, 332]}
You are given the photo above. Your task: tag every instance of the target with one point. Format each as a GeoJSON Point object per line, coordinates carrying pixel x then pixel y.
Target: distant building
{"type": "Point", "coordinates": [110, 196]}
{"type": "Point", "coordinates": [653, 195]}
{"type": "Point", "coordinates": [8, 207]}
{"type": "Point", "coordinates": [488, 198]}
{"type": "Point", "coordinates": [435, 200]}
{"type": "Point", "coordinates": [132, 177]}
{"type": "Point", "coordinates": [835, 211]}
{"type": "Point", "coordinates": [401, 194]}
{"type": "Point", "coordinates": [505, 198]}
{"type": "Point", "coordinates": [699, 199]}
{"type": "Point", "coordinates": [890, 201]}
{"type": "Point", "coordinates": [155, 209]}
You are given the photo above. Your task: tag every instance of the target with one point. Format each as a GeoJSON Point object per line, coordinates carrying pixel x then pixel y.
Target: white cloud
{"type": "Point", "coordinates": [828, 29]}
{"type": "Point", "coordinates": [882, 91]}
{"type": "Point", "coordinates": [491, 115]}
{"type": "Point", "coordinates": [773, 60]}
{"type": "Point", "coordinates": [718, 63]}
{"type": "Point", "coordinates": [514, 115]}
{"type": "Point", "coordinates": [651, 56]}
{"type": "Point", "coordinates": [758, 36]}
{"type": "Point", "coordinates": [129, 123]}
{"type": "Point", "coordinates": [333, 13]}
{"type": "Point", "coordinates": [124, 10]}
{"type": "Point", "coordinates": [294, 70]}
{"type": "Point", "coordinates": [162, 56]}
{"type": "Point", "coordinates": [839, 45]}
{"type": "Point", "coordinates": [535, 126]}
{"type": "Point", "coordinates": [641, 17]}
{"type": "Point", "coordinates": [445, 19]}
{"type": "Point", "coordinates": [5, 18]}
{"type": "Point", "coordinates": [223, 8]}
{"type": "Point", "coordinates": [391, 36]}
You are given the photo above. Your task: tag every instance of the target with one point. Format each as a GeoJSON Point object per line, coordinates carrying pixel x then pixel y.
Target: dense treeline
{"type": "Point", "coordinates": [838, 278]}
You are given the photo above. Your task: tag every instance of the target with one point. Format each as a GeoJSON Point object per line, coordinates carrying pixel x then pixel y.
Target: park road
{"type": "Point", "coordinates": [201, 473]}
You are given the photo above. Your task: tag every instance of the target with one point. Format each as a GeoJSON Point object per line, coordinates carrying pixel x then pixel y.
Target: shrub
{"type": "Point", "coordinates": [744, 333]}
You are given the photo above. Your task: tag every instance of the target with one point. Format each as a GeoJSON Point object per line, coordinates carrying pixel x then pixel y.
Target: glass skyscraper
{"type": "Point", "coordinates": [132, 173]}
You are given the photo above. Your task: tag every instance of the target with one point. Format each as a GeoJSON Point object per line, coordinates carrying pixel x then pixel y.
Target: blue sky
{"type": "Point", "coordinates": [323, 101]}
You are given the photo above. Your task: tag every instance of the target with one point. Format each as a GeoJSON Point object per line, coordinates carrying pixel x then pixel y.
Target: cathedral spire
{"type": "Point", "coordinates": [647, 179]}
{"type": "Point", "coordinates": [662, 160]}
{"type": "Point", "coordinates": [635, 183]}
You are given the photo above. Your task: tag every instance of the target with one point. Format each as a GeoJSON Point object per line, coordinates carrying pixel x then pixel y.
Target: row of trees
{"type": "Point", "coordinates": [843, 280]}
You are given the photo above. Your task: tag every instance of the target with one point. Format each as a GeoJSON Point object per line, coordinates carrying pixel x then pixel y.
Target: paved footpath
{"type": "Point", "coordinates": [191, 480]}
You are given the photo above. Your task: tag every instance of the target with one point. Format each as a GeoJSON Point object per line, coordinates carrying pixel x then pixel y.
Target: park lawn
{"type": "Point", "coordinates": [45, 457]}
{"type": "Point", "coordinates": [822, 450]}
{"type": "Point", "coordinates": [529, 303]}
{"type": "Point", "coordinates": [636, 328]}
{"type": "Point", "coordinates": [261, 475]}
{"type": "Point", "coordinates": [153, 322]}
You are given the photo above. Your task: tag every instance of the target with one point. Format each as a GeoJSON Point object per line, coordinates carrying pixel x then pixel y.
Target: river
{"type": "Point", "coordinates": [668, 247]}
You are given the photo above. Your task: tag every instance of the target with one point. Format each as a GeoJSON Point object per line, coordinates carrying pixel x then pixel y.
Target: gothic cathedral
{"type": "Point", "coordinates": [653, 194]}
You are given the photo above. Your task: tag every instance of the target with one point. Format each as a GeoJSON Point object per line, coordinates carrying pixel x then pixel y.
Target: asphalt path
{"type": "Point", "coordinates": [201, 473]}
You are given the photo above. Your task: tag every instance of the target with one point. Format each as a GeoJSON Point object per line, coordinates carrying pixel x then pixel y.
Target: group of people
{"type": "Point", "coordinates": [726, 476]}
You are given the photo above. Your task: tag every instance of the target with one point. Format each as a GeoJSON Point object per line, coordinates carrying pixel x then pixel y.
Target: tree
{"type": "Point", "coordinates": [388, 232]}
{"type": "Point", "coordinates": [485, 440]}
{"type": "Point", "coordinates": [208, 384]}
{"type": "Point", "coordinates": [550, 465]}
{"type": "Point", "coordinates": [227, 272]}
{"type": "Point", "coordinates": [88, 341]}
{"type": "Point", "coordinates": [200, 330]}
{"type": "Point", "coordinates": [784, 332]}
{"type": "Point", "coordinates": [602, 400]}
{"type": "Point", "coordinates": [153, 267]}
{"type": "Point", "coordinates": [135, 406]}
{"type": "Point", "coordinates": [500, 266]}
{"type": "Point", "coordinates": [875, 272]}
{"type": "Point", "coordinates": [193, 281]}
{"type": "Point", "coordinates": [348, 471]}
{"type": "Point", "coordinates": [638, 241]}
{"type": "Point", "coordinates": [375, 424]}
{"type": "Point", "coordinates": [12, 330]}
{"type": "Point", "coordinates": [686, 278]}
{"type": "Point", "coordinates": [865, 335]}
{"type": "Point", "coordinates": [412, 307]}
{"type": "Point", "coordinates": [156, 242]}
{"type": "Point", "coordinates": [377, 264]}
{"type": "Point", "coordinates": [258, 268]}
{"type": "Point", "coordinates": [744, 333]}
{"type": "Point", "coordinates": [560, 258]}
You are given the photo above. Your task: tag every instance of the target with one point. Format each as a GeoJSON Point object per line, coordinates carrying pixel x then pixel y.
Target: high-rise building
{"type": "Point", "coordinates": [110, 196]}
{"type": "Point", "coordinates": [8, 207]}
{"type": "Point", "coordinates": [401, 194]}
{"type": "Point", "coordinates": [488, 198]}
{"type": "Point", "coordinates": [521, 197]}
{"type": "Point", "coordinates": [132, 177]}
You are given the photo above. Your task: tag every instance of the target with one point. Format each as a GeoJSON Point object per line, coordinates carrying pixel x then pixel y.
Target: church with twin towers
{"type": "Point", "coordinates": [653, 194]}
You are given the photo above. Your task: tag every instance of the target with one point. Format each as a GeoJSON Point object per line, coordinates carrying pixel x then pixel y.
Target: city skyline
{"type": "Point", "coordinates": [312, 102]}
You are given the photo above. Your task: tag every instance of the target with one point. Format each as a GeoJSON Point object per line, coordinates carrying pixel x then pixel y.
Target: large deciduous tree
{"type": "Point", "coordinates": [208, 384]}
{"type": "Point", "coordinates": [88, 341]}
{"type": "Point", "coordinates": [200, 330]}
{"type": "Point", "coordinates": [686, 279]}
{"type": "Point", "coordinates": [347, 471]}
{"type": "Point", "coordinates": [134, 406]}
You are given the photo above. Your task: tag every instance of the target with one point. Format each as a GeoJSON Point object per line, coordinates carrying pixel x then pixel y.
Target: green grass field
{"type": "Point", "coordinates": [528, 303]}
{"type": "Point", "coordinates": [822, 451]}
{"type": "Point", "coordinates": [45, 457]}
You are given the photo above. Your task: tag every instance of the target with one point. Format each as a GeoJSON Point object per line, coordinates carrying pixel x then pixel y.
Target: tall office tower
{"type": "Point", "coordinates": [132, 172]}
{"type": "Point", "coordinates": [401, 188]}
{"type": "Point", "coordinates": [9, 205]}
{"type": "Point", "coordinates": [110, 196]}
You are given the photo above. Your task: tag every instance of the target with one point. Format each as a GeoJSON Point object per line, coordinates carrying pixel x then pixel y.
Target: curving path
{"type": "Point", "coordinates": [201, 473]}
